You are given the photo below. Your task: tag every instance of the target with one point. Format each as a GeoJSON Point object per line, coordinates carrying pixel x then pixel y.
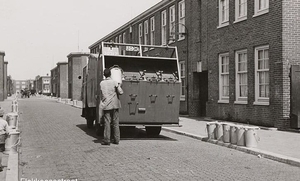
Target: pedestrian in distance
{"type": "Point", "coordinates": [4, 132]}
{"type": "Point", "coordinates": [110, 104]}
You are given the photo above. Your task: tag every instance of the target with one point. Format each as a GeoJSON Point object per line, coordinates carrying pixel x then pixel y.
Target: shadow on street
{"type": "Point", "coordinates": [127, 133]}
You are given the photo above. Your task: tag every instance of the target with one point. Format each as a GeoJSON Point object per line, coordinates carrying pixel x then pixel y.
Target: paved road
{"type": "Point", "coordinates": [57, 145]}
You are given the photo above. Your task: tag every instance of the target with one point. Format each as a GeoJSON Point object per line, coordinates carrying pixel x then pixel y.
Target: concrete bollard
{"type": "Point", "coordinates": [12, 142]}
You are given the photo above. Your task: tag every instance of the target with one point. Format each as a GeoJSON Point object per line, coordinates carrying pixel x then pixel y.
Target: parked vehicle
{"type": "Point", "coordinates": [150, 79]}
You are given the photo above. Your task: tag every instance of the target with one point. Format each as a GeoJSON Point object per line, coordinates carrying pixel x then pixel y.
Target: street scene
{"type": "Point", "coordinates": [57, 144]}
{"type": "Point", "coordinates": [149, 90]}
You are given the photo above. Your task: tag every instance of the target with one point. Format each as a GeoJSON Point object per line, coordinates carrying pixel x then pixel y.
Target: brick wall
{"type": "Point", "coordinates": [253, 32]}
{"type": "Point", "coordinates": [63, 80]}
{"type": "Point", "coordinates": [290, 51]}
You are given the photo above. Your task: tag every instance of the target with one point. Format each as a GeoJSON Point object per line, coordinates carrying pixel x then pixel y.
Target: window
{"type": "Point", "coordinates": [181, 19]}
{"type": "Point", "coordinates": [240, 10]}
{"type": "Point", "coordinates": [146, 32]}
{"type": "Point", "coordinates": [224, 78]}
{"type": "Point", "coordinates": [120, 39]}
{"type": "Point", "coordinates": [152, 31]}
{"type": "Point", "coordinates": [172, 23]}
{"type": "Point", "coordinates": [241, 76]}
{"type": "Point", "coordinates": [183, 82]}
{"type": "Point", "coordinates": [261, 7]}
{"type": "Point", "coordinates": [164, 27]}
{"type": "Point", "coordinates": [140, 33]}
{"type": "Point", "coordinates": [124, 37]}
{"type": "Point", "coordinates": [223, 13]}
{"type": "Point", "coordinates": [262, 75]}
{"type": "Point", "coordinates": [116, 40]}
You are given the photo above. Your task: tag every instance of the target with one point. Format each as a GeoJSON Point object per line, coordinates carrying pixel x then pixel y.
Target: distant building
{"type": "Point", "coordinates": [3, 74]}
{"type": "Point", "coordinates": [59, 80]}
{"type": "Point", "coordinates": [76, 62]}
{"type": "Point", "coordinates": [43, 85]}
{"type": "Point", "coordinates": [20, 85]}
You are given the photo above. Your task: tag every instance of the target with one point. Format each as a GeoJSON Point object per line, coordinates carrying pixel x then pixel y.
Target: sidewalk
{"type": "Point", "coordinates": [277, 145]}
{"type": "Point", "coordinates": [282, 146]}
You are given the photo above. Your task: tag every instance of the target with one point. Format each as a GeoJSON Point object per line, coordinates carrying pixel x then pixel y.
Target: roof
{"type": "Point", "coordinates": [73, 54]}
{"type": "Point", "coordinates": [154, 8]}
{"type": "Point", "coordinates": [61, 63]}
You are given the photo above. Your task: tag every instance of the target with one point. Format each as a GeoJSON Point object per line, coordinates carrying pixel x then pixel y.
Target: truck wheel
{"type": "Point", "coordinates": [89, 123]}
{"type": "Point", "coordinates": [153, 130]}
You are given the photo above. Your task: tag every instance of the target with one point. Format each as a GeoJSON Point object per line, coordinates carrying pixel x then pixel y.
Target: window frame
{"type": "Point", "coordinates": [152, 30]}
{"type": "Point", "coordinates": [239, 99]}
{"type": "Point", "coordinates": [146, 32]}
{"type": "Point", "coordinates": [172, 23]}
{"type": "Point", "coordinates": [164, 27]}
{"type": "Point", "coordinates": [226, 14]}
{"type": "Point", "coordinates": [257, 11]}
{"type": "Point", "coordinates": [140, 33]}
{"type": "Point", "coordinates": [222, 98]}
{"type": "Point", "coordinates": [261, 100]}
{"type": "Point", "coordinates": [239, 17]}
{"type": "Point", "coordinates": [181, 19]}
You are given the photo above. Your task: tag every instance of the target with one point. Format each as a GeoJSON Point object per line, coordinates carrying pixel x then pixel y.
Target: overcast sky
{"type": "Point", "coordinates": [36, 34]}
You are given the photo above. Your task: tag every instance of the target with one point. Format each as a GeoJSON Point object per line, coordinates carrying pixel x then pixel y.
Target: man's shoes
{"type": "Point", "coordinates": [105, 143]}
{"type": "Point", "coordinates": [1, 169]}
{"type": "Point", "coordinates": [116, 143]}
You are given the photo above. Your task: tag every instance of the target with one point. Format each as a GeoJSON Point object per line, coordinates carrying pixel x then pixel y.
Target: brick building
{"type": "Point", "coordinates": [235, 55]}
{"type": "Point", "coordinates": [59, 80]}
{"type": "Point", "coordinates": [168, 23]}
{"type": "Point", "coordinates": [43, 85]}
{"type": "Point", "coordinates": [3, 74]}
{"type": "Point", "coordinates": [20, 85]}
{"type": "Point", "coordinates": [76, 62]}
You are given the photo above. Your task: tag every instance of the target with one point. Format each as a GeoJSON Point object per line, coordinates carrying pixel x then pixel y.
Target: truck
{"type": "Point", "coordinates": [151, 82]}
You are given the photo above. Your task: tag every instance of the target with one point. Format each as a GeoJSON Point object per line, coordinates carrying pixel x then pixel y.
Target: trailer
{"type": "Point", "coordinates": [150, 80]}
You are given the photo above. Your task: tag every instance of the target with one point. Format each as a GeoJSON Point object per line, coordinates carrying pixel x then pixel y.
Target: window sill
{"type": "Point", "coordinates": [261, 103]}
{"type": "Point", "coordinates": [259, 13]}
{"type": "Point", "coordinates": [223, 25]}
{"type": "Point", "coordinates": [240, 102]}
{"type": "Point", "coordinates": [240, 19]}
{"type": "Point", "coordinates": [223, 101]}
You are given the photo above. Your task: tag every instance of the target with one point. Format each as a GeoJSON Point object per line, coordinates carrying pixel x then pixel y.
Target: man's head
{"type": "Point", "coordinates": [107, 72]}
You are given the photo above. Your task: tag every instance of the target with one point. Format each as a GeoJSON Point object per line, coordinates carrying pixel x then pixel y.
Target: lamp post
{"type": "Point", "coordinates": [187, 57]}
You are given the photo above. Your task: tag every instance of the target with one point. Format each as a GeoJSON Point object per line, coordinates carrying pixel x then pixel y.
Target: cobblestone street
{"type": "Point", "coordinates": [55, 144]}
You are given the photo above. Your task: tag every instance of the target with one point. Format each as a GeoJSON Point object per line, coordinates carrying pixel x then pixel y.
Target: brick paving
{"type": "Point", "coordinates": [56, 144]}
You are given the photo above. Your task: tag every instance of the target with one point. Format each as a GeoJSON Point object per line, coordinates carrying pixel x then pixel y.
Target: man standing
{"type": "Point", "coordinates": [110, 105]}
{"type": "Point", "coordinates": [4, 131]}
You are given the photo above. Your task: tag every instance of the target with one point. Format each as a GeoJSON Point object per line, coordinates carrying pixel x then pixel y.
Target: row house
{"type": "Point", "coordinates": [76, 62]}
{"type": "Point", "coordinates": [20, 85]}
{"type": "Point", "coordinates": [59, 80]}
{"type": "Point", "coordinates": [237, 57]}
{"type": "Point", "coordinates": [43, 85]}
{"type": "Point", "coordinates": [3, 77]}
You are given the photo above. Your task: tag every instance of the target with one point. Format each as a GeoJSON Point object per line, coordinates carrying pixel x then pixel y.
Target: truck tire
{"type": "Point", "coordinates": [89, 123]}
{"type": "Point", "coordinates": [153, 131]}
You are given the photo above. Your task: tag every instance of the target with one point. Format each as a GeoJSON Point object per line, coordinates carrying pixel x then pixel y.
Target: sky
{"type": "Point", "coordinates": [36, 34]}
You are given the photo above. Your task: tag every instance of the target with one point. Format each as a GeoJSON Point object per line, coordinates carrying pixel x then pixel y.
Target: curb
{"type": "Point", "coordinates": [254, 151]}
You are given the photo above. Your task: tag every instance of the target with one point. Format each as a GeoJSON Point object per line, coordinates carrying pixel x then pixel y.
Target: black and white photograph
{"type": "Point", "coordinates": [149, 90]}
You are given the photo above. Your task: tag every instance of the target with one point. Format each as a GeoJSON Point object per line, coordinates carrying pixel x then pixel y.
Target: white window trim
{"type": "Point", "coordinates": [164, 27]}
{"type": "Point", "coordinates": [182, 64]}
{"type": "Point", "coordinates": [152, 31]}
{"type": "Point", "coordinates": [181, 20]}
{"type": "Point", "coordinates": [260, 100]}
{"type": "Point", "coordinates": [124, 37]}
{"type": "Point", "coordinates": [172, 28]}
{"type": "Point", "coordinates": [140, 33]}
{"type": "Point", "coordinates": [237, 9]}
{"type": "Point", "coordinates": [239, 100]}
{"type": "Point", "coordinates": [226, 22]}
{"type": "Point", "coordinates": [222, 99]}
{"type": "Point", "coordinates": [146, 32]}
{"type": "Point", "coordinates": [258, 12]}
